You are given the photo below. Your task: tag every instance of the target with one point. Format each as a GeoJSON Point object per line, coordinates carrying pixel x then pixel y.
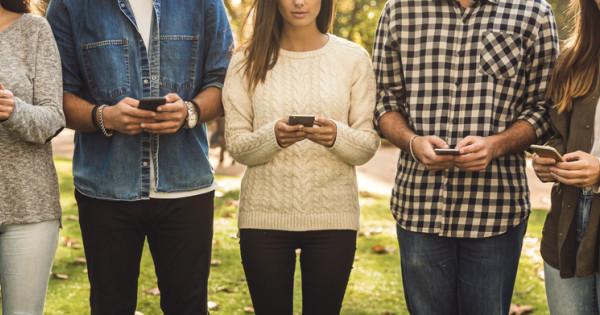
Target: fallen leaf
{"type": "Point", "coordinates": [60, 276]}
{"type": "Point", "coordinates": [249, 310]}
{"type": "Point", "coordinates": [215, 262]}
{"type": "Point", "coordinates": [80, 261]}
{"type": "Point", "coordinates": [153, 292]}
{"type": "Point", "coordinates": [71, 243]}
{"type": "Point", "coordinates": [379, 249]}
{"type": "Point", "coordinates": [71, 217]}
{"type": "Point", "coordinates": [516, 309]}
{"type": "Point", "coordinates": [212, 305]}
{"type": "Point", "coordinates": [138, 313]}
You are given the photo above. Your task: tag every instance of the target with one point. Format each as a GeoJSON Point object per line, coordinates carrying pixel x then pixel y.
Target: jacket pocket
{"type": "Point", "coordinates": [500, 54]}
{"type": "Point", "coordinates": [175, 51]}
{"type": "Point", "coordinates": [106, 68]}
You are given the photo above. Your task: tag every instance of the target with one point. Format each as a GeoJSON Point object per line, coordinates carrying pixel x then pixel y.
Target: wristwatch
{"type": "Point", "coordinates": [192, 117]}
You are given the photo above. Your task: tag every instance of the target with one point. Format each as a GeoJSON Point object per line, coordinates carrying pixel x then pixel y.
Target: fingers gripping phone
{"type": "Point", "coordinates": [304, 120]}
{"type": "Point", "coordinates": [151, 103]}
{"type": "Point", "coordinates": [439, 151]}
{"type": "Point", "coordinates": [546, 152]}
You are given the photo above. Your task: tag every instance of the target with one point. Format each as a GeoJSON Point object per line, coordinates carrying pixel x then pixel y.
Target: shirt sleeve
{"type": "Point", "coordinates": [248, 144]}
{"type": "Point", "coordinates": [388, 69]}
{"type": "Point", "coordinates": [542, 59]}
{"type": "Point", "coordinates": [356, 141]}
{"type": "Point", "coordinates": [59, 18]}
{"type": "Point", "coordinates": [40, 121]}
{"type": "Point", "coordinates": [219, 44]}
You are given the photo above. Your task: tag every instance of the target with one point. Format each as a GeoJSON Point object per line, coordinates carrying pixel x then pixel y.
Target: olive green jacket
{"type": "Point", "coordinates": [574, 131]}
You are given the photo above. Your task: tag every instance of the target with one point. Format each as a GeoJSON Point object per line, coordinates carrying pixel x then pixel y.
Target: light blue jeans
{"type": "Point", "coordinates": [577, 295]}
{"type": "Point", "coordinates": [26, 254]}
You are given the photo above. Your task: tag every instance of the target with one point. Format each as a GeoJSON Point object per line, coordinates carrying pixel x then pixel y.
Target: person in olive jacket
{"type": "Point", "coordinates": [570, 237]}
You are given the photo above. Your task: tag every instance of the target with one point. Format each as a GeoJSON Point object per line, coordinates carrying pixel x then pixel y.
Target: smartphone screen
{"type": "Point", "coordinates": [305, 120]}
{"type": "Point", "coordinates": [151, 103]}
{"type": "Point", "coordinates": [446, 151]}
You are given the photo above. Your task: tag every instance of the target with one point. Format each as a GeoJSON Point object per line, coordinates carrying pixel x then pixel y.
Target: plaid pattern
{"type": "Point", "coordinates": [466, 72]}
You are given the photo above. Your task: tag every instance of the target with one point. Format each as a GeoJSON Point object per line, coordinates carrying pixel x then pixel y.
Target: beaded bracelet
{"type": "Point", "coordinates": [105, 132]}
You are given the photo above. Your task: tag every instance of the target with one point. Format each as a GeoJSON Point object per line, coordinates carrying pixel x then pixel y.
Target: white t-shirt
{"type": "Point", "coordinates": [143, 11]}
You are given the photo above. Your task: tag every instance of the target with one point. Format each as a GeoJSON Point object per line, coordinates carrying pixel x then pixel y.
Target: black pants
{"type": "Point", "coordinates": [179, 233]}
{"type": "Point", "coordinates": [269, 261]}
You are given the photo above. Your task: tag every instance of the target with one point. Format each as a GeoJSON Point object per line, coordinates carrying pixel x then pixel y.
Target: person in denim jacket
{"type": "Point", "coordinates": [141, 173]}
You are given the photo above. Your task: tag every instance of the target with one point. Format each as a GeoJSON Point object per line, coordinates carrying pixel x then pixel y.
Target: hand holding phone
{"type": "Point", "coordinates": [546, 152]}
{"type": "Point", "coordinates": [151, 103]}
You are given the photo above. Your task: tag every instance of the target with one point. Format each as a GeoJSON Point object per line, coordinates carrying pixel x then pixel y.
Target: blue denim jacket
{"type": "Point", "coordinates": [105, 60]}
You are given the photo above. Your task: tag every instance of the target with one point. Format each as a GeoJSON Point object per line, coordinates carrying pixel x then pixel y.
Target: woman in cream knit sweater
{"type": "Point", "coordinates": [299, 191]}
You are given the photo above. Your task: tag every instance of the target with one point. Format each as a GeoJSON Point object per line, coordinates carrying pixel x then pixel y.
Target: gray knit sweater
{"type": "Point", "coordinates": [30, 68]}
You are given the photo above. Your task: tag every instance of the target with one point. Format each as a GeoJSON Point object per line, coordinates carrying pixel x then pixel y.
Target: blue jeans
{"type": "Point", "coordinates": [26, 254]}
{"type": "Point", "coordinates": [577, 295]}
{"type": "Point", "coordinates": [444, 275]}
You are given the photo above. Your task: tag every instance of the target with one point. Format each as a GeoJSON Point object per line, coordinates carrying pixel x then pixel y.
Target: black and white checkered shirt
{"type": "Point", "coordinates": [467, 72]}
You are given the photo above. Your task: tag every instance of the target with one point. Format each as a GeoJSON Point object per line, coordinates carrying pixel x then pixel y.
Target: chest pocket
{"type": "Point", "coordinates": [106, 68]}
{"type": "Point", "coordinates": [178, 55]}
{"type": "Point", "coordinates": [500, 54]}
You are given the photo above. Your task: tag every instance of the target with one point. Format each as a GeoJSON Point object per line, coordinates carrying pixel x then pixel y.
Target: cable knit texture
{"type": "Point", "coordinates": [306, 186]}
{"type": "Point", "coordinates": [30, 68]}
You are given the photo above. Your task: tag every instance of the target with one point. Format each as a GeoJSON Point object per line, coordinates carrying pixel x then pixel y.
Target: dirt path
{"type": "Point", "coordinates": [376, 177]}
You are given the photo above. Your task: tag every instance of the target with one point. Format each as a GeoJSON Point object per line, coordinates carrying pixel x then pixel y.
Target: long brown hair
{"type": "Point", "coordinates": [17, 6]}
{"type": "Point", "coordinates": [578, 66]}
{"type": "Point", "coordinates": [262, 49]}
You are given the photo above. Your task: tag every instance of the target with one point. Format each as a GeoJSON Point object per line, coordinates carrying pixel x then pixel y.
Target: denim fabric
{"type": "Point", "coordinates": [572, 296]}
{"type": "Point", "coordinates": [583, 212]}
{"type": "Point", "coordinates": [26, 254]}
{"type": "Point", "coordinates": [448, 276]}
{"type": "Point", "coordinates": [105, 60]}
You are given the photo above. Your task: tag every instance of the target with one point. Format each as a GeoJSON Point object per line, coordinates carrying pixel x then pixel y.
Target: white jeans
{"type": "Point", "coordinates": [26, 254]}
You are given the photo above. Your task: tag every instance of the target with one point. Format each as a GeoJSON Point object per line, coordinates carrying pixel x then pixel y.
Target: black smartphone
{"type": "Point", "coordinates": [439, 151]}
{"type": "Point", "coordinates": [304, 120]}
{"type": "Point", "coordinates": [151, 103]}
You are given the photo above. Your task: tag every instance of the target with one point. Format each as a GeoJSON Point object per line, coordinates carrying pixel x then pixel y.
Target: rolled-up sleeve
{"type": "Point", "coordinates": [388, 69]}
{"type": "Point", "coordinates": [542, 57]}
{"type": "Point", "coordinates": [219, 44]}
{"type": "Point", "coordinates": [60, 20]}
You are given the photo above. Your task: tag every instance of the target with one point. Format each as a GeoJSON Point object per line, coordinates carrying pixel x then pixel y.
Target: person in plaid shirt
{"type": "Point", "coordinates": [469, 75]}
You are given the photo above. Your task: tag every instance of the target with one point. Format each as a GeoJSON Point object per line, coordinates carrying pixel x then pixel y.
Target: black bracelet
{"type": "Point", "coordinates": [95, 117]}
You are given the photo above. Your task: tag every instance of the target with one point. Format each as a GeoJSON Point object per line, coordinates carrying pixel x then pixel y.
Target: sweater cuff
{"type": "Point", "coordinates": [14, 120]}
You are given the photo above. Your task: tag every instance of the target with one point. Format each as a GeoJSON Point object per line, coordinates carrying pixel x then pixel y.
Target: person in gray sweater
{"type": "Point", "coordinates": [30, 116]}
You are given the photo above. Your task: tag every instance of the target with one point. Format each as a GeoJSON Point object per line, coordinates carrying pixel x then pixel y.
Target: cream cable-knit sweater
{"type": "Point", "coordinates": [305, 186]}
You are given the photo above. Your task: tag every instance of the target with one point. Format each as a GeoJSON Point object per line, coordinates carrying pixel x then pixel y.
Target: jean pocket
{"type": "Point", "coordinates": [500, 54]}
{"type": "Point", "coordinates": [106, 67]}
{"type": "Point", "coordinates": [175, 51]}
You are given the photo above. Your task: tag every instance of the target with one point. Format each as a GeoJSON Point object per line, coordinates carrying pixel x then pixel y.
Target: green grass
{"type": "Point", "coordinates": [375, 286]}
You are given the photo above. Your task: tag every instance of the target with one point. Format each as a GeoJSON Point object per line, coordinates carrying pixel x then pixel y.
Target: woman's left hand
{"type": "Point", "coordinates": [580, 169]}
{"type": "Point", "coordinates": [7, 103]}
{"type": "Point", "coordinates": [324, 133]}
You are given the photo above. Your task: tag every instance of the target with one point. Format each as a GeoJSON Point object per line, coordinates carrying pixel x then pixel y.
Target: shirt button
{"type": "Point", "coordinates": [146, 81]}
{"type": "Point", "coordinates": [587, 126]}
{"type": "Point", "coordinates": [154, 77]}
{"type": "Point", "coordinates": [145, 164]}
